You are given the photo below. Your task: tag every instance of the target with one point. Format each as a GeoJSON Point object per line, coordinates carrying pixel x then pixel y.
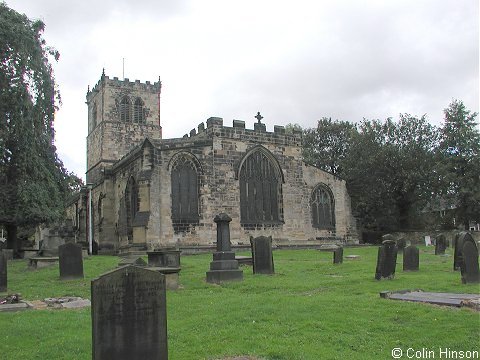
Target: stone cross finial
{"type": "Point", "coordinates": [259, 117]}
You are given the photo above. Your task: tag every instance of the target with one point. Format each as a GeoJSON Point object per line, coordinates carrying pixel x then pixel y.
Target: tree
{"type": "Point", "coordinates": [327, 145]}
{"type": "Point", "coordinates": [390, 170]}
{"type": "Point", "coordinates": [33, 181]}
{"type": "Point", "coordinates": [460, 150]}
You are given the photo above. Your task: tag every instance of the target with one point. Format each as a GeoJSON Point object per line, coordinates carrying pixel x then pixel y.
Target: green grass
{"type": "Point", "coordinates": [310, 309]}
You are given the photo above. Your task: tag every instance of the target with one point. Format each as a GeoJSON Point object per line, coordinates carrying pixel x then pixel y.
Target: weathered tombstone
{"type": "Point", "coordinates": [224, 267]}
{"type": "Point", "coordinates": [3, 272]}
{"type": "Point", "coordinates": [411, 258]}
{"type": "Point", "coordinates": [428, 240]}
{"type": "Point", "coordinates": [401, 243]}
{"type": "Point", "coordinates": [440, 244]}
{"type": "Point", "coordinates": [458, 248]}
{"type": "Point", "coordinates": [70, 261]}
{"type": "Point", "coordinates": [262, 255]}
{"type": "Point", "coordinates": [387, 260]}
{"type": "Point", "coordinates": [469, 264]}
{"type": "Point", "coordinates": [338, 255]}
{"type": "Point", "coordinates": [129, 315]}
{"type": "Point", "coordinates": [164, 258]}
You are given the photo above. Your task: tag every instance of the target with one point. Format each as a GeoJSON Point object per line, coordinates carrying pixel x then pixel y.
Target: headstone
{"type": "Point", "coordinates": [428, 240]}
{"type": "Point", "coordinates": [458, 248]}
{"type": "Point", "coordinates": [401, 243]}
{"type": "Point", "coordinates": [469, 265]}
{"type": "Point", "coordinates": [262, 255]}
{"type": "Point", "coordinates": [70, 261]}
{"type": "Point", "coordinates": [3, 272]}
{"type": "Point", "coordinates": [440, 244]}
{"type": "Point", "coordinates": [411, 258]}
{"type": "Point", "coordinates": [387, 260]}
{"type": "Point", "coordinates": [338, 255]}
{"type": "Point", "coordinates": [224, 267]}
{"type": "Point", "coordinates": [129, 315]}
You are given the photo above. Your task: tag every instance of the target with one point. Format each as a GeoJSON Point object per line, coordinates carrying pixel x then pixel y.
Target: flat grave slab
{"type": "Point", "coordinates": [446, 299]}
{"type": "Point", "coordinates": [40, 262]}
{"type": "Point", "coordinates": [244, 260]}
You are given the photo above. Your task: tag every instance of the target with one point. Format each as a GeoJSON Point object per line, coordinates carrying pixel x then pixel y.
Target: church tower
{"type": "Point", "coordinates": [121, 114]}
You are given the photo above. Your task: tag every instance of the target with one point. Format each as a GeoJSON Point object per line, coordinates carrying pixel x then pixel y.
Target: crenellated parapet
{"type": "Point", "coordinates": [214, 127]}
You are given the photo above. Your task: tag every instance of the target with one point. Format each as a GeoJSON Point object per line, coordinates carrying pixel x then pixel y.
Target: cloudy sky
{"type": "Point", "coordinates": [294, 61]}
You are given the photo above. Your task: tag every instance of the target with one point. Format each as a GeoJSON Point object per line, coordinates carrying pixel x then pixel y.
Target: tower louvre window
{"type": "Point", "coordinates": [125, 109]}
{"type": "Point", "coordinates": [138, 113]}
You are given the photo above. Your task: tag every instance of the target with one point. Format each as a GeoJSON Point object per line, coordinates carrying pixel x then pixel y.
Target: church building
{"type": "Point", "coordinates": [145, 192]}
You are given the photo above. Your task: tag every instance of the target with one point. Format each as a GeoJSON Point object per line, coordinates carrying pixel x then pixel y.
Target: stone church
{"type": "Point", "coordinates": [144, 192]}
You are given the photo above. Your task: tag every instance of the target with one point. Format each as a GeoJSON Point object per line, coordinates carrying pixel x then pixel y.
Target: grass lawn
{"type": "Point", "coordinates": [310, 309]}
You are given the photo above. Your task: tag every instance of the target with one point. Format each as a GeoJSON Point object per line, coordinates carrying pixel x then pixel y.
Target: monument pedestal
{"type": "Point", "coordinates": [224, 267]}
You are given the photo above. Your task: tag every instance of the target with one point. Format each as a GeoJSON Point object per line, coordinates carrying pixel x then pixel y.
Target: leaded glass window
{"type": "Point", "coordinates": [260, 190]}
{"type": "Point", "coordinates": [184, 181]}
{"type": "Point", "coordinates": [323, 208]}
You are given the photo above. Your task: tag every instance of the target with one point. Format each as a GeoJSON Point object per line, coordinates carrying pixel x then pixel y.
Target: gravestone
{"type": "Point", "coordinates": [262, 255]}
{"type": "Point", "coordinates": [386, 260]}
{"type": "Point", "coordinates": [428, 240]}
{"type": "Point", "coordinates": [401, 243]}
{"type": "Point", "coordinates": [469, 264]}
{"type": "Point", "coordinates": [129, 315]}
{"type": "Point", "coordinates": [3, 272]}
{"type": "Point", "coordinates": [458, 248]}
{"type": "Point", "coordinates": [70, 261]}
{"type": "Point", "coordinates": [338, 255]}
{"type": "Point", "coordinates": [411, 258]}
{"type": "Point", "coordinates": [440, 244]}
{"type": "Point", "coordinates": [224, 267]}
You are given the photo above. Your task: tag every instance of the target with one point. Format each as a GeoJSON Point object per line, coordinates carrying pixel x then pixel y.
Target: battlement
{"type": "Point", "coordinates": [115, 82]}
{"type": "Point", "coordinates": [214, 125]}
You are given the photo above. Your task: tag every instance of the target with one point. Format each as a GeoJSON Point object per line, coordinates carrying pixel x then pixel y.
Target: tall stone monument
{"type": "Point", "coordinates": [224, 267]}
{"type": "Point", "coordinates": [262, 255]}
{"type": "Point", "coordinates": [387, 260]}
{"type": "Point", "coordinates": [129, 315]}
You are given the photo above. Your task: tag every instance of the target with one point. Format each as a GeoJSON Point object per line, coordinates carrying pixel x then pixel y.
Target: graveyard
{"type": "Point", "coordinates": [310, 307]}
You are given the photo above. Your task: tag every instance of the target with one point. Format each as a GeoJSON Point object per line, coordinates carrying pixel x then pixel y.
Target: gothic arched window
{"type": "Point", "coordinates": [125, 109]}
{"type": "Point", "coordinates": [131, 204]}
{"type": "Point", "coordinates": [260, 189]}
{"type": "Point", "coordinates": [323, 208]}
{"type": "Point", "coordinates": [138, 114]}
{"type": "Point", "coordinates": [184, 180]}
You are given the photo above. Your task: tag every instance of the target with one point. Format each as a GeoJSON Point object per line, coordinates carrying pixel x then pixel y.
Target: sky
{"type": "Point", "coordinates": [294, 61]}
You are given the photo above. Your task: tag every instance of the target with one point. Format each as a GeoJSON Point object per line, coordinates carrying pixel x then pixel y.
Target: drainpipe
{"type": "Point", "coordinates": [90, 227]}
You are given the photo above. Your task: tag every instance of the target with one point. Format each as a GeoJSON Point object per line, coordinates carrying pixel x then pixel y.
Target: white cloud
{"type": "Point", "coordinates": [294, 62]}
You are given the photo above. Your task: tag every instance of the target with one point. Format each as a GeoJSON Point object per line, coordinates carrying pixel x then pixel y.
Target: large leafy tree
{"type": "Point", "coordinates": [390, 170]}
{"type": "Point", "coordinates": [327, 145]}
{"type": "Point", "coordinates": [460, 148]}
{"type": "Point", "coordinates": [33, 181]}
